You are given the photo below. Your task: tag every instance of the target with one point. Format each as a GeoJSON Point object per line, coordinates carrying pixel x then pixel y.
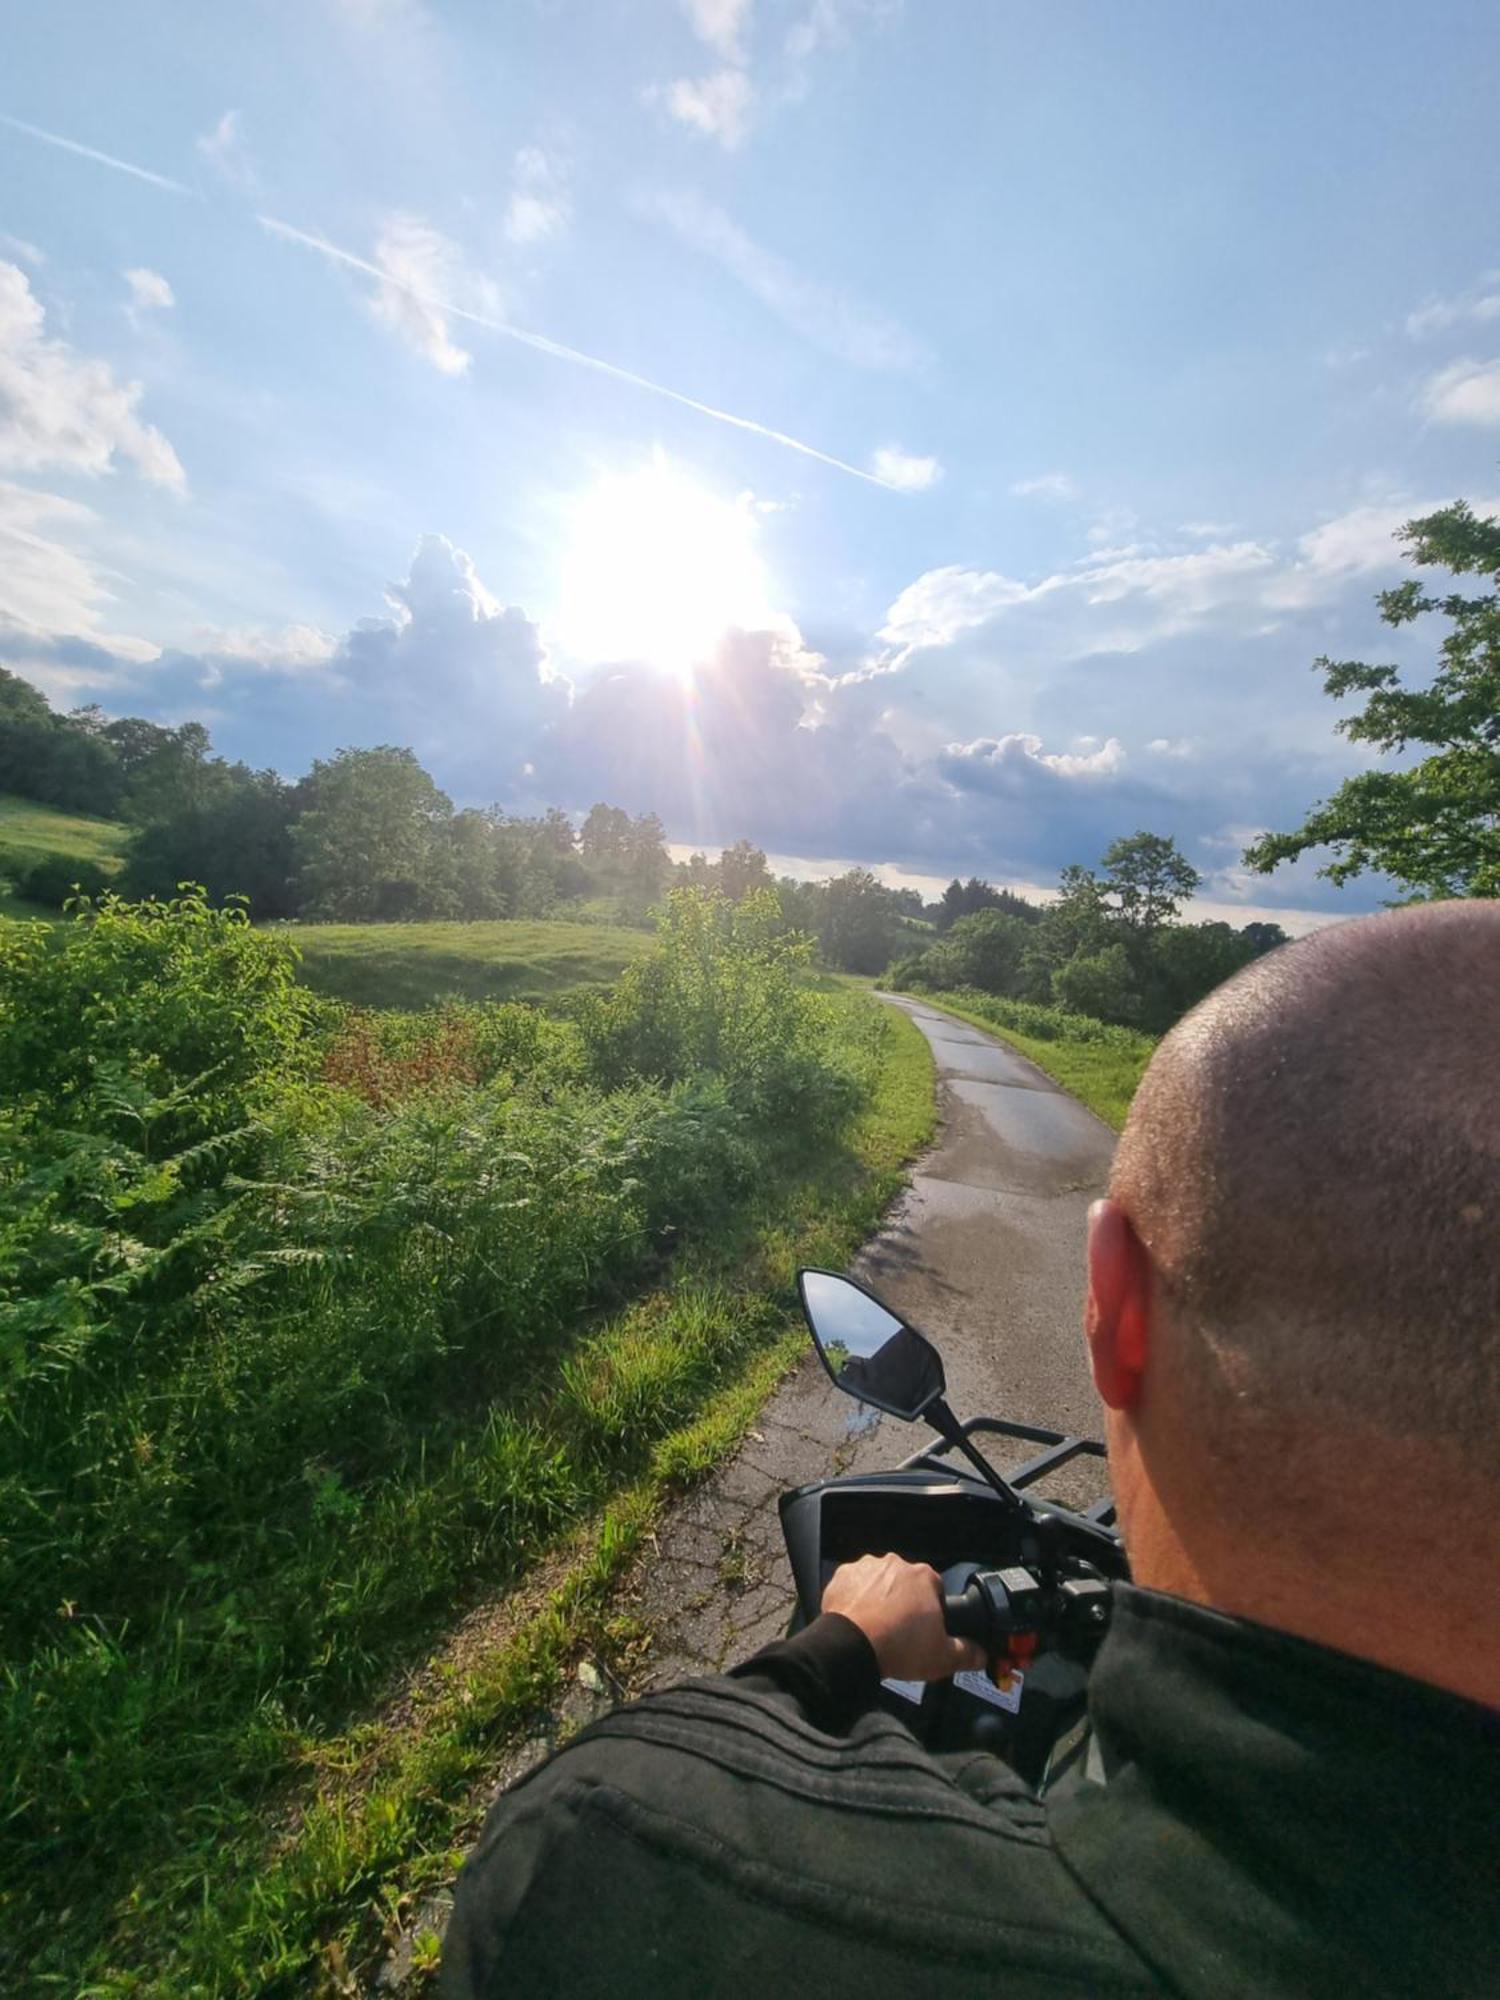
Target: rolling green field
{"type": "Point", "coordinates": [413, 965]}
{"type": "Point", "coordinates": [30, 833]}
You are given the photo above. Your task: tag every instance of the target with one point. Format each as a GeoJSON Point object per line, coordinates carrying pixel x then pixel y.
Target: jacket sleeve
{"type": "Point", "coordinates": [828, 1670]}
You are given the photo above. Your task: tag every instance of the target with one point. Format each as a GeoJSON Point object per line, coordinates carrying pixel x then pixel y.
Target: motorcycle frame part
{"type": "Point", "coordinates": [1062, 1449]}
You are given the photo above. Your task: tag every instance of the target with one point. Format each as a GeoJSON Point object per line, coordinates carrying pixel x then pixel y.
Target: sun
{"type": "Point", "coordinates": [656, 567]}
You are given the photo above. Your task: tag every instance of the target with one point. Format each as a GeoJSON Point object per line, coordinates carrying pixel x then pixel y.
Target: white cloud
{"type": "Point", "coordinates": [992, 762]}
{"type": "Point", "coordinates": [721, 24]}
{"type": "Point", "coordinates": [419, 266]}
{"type": "Point", "coordinates": [1170, 746]}
{"type": "Point", "coordinates": [945, 602]}
{"type": "Point", "coordinates": [61, 411]}
{"type": "Point", "coordinates": [820, 312]}
{"type": "Point", "coordinates": [149, 291]}
{"type": "Point", "coordinates": [720, 105]}
{"type": "Point", "coordinates": [1466, 392]}
{"type": "Point", "coordinates": [291, 649]}
{"type": "Point", "coordinates": [225, 151]}
{"type": "Point", "coordinates": [1207, 531]}
{"type": "Point", "coordinates": [53, 600]}
{"type": "Point", "coordinates": [1479, 305]}
{"type": "Point", "coordinates": [1046, 486]}
{"type": "Point", "coordinates": [20, 250]}
{"type": "Point", "coordinates": [906, 473]}
{"type": "Point", "coordinates": [539, 205]}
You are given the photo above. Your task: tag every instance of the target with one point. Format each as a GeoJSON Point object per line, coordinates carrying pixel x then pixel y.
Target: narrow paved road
{"type": "Point", "coordinates": [985, 1254]}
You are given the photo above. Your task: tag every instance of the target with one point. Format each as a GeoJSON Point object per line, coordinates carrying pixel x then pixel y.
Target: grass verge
{"type": "Point", "coordinates": [300, 1891]}
{"type": "Point", "coordinates": [413, 965]}
{"type": "Point", "coordinates": [1101, 1065]}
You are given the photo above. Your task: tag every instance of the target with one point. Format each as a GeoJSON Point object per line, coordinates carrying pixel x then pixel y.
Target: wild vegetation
{"type": "Point", "coordinates": [315, 1322]}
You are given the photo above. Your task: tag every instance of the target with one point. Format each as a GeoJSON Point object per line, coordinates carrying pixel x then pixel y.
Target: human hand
{"type": "Point", "coordinates": [898, 1606]}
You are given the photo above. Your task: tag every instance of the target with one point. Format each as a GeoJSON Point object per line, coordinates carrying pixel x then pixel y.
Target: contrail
{"type": "Point", "coordinates": [560, 352]}
{"type": "Point", "coordinates": [102, 159]}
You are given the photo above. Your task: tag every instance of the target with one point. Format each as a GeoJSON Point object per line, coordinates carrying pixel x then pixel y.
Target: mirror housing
{"type": "Point", "coordinates": [869, 1352]}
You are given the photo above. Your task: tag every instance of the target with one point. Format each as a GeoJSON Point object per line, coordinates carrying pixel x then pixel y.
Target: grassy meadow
{"type": "Point", "coordinates": [1100, 1064]}
{"type": "Point", "coordinates": [32, 834]}
{"type": "Point", "coordinates": [414, 965]}
{"type": "Point", "coordinates": [324, 1326]}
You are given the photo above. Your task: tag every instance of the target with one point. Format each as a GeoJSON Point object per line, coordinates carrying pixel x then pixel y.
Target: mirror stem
{"type": "Point", "coordinates": [951, 1431]}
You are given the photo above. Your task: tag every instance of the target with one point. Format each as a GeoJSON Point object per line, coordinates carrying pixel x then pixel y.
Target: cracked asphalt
{"type": "Point", "coordinates": [984, 1253]}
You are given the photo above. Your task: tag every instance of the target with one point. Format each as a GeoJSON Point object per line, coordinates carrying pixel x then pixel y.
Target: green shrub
{"type": "Point", "coordinates": [57, 877]}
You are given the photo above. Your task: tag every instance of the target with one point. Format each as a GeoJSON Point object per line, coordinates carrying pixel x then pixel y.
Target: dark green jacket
{"type": "Point", "coordinates": [1280, 1819]}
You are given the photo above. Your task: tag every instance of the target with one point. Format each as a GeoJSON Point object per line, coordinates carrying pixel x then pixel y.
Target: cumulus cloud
{"type": "Point", "coordinates": [942, 603]}
{"type": "Point", "coordinates": [421, 266]}
{"type": "Point", "coordinates": [61, 411]}
{"type": "Point", "coordinates": [1465, 392]}
{"type": "Point", "coordinates": [721, 24]}
{"type": "Point", "coordinates": [991, 763]}
{"type": "Point", "coordinates": [539, 204]}
{"type": "Point", "coordinates": [223, 148]}
{"type": "Point", "coordinates": [720, 105]}
{"type": "Point", "coordinates": [904, 471]}
{"type": "Point", "coordinates": [149, 291]}
{"type": "Point", "coordinates": [820, 312]}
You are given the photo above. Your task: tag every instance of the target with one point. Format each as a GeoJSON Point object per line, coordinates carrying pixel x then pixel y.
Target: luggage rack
{"type": "Point", "coordinates": [1061, 1449]}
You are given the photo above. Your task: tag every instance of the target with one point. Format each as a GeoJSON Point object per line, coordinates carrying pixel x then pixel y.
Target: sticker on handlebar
{"type": "Point", "coordinates": [908, 1690]}
{"type": "Point", "coordinates": [1007, 1697]}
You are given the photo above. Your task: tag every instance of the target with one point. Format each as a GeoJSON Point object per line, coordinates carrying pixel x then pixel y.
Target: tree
{"type": "Point", "coordinates": [367, 845]}
{"type": "Point", "coordinates": [1433, 826]}
{"type": "Point", "coordinates": [985, 950]}
{"type": "Point", "coordinates": [857, 925]}
{"type": "Point", "coordinates": [1149, 878]}
{"type": "Point", "coordinates": [742, 870]}
{"type": "Point", "coordinates": [234, 838]}
{"type": "Point", "coordinates": [1100, 983]}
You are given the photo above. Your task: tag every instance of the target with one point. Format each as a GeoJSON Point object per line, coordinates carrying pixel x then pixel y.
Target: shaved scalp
{"type": "Point", "coordinates": [1313, 1164]}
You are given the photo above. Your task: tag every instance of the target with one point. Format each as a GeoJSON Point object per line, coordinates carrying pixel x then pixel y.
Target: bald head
{"type": "Point", "coordinates": [1312, 1163]}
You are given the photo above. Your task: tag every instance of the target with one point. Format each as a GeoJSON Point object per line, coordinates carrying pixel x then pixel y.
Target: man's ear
{"type": "Point", "coordinates": [1117, 1317]}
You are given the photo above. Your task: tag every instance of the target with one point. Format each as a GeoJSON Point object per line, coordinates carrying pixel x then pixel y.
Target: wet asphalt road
{"type": "Point", "coordinates": [984, 1253]}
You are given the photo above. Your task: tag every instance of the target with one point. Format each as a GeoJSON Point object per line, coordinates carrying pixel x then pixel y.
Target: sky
{"type": "Point", "coordinates": [938, 436]}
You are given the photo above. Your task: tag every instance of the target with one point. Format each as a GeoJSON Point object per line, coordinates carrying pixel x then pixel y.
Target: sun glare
{"type": "Point", "coordinates": [656, 568]}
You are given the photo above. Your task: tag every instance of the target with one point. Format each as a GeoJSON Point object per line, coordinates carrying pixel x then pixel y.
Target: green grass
{"type": "Point", "coordinates": [1101, 1065]}
{"type": "Point", "coordinates": [295, 1889]}
{"type": "Point", "coordinates": [30, 833]}
{"type": "Point", "coordinates": [412, 965]}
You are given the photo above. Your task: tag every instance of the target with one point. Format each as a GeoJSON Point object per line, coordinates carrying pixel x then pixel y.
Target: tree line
{"type": "Point", "coordinates": [1109, 944]}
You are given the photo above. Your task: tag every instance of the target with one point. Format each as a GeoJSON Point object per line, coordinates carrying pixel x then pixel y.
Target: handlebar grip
{"type": "Point", "coordinates": [966, 1615]}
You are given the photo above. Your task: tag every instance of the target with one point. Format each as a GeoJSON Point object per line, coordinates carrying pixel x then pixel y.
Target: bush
{"type": "Point", "coordinates": [723, 992]}
{"type": "Point", "coordinates": [173, 1007]}
{"type": "Point", "coordinates": [57, 877]}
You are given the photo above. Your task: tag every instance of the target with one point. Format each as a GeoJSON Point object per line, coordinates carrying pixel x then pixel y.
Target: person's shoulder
{"type": "Point", "coordinates": [710, 1811]}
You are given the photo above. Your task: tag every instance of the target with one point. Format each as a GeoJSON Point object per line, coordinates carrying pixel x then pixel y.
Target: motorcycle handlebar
{"type": "Point", "coordinates": [967, 1616]}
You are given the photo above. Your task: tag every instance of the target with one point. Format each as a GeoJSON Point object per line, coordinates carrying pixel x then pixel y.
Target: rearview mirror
{"type": "Point", "coordinates": [867, 1350]}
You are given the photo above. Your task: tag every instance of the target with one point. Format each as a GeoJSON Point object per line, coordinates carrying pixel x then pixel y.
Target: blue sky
{"type": "Point", "coordinates": [940, 436]}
